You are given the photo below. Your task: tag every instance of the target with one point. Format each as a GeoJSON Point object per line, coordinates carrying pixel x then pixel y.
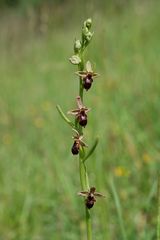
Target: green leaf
{"type": "Point", "coordinates": [64, 116]}
{"type": "Point", "coordinates": [91, 150]}
{"type": "Point", "coordinates": [75, 59]}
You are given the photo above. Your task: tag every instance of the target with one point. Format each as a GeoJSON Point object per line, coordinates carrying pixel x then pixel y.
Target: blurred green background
{"type": "Point", "coordinates": [39, 177]}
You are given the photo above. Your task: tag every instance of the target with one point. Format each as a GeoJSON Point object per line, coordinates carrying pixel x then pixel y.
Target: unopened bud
{"type": "Point", "coordinates": [88, 23]}
{"type": "Point", "coordinates": [77, 46]}
{"type": "Point", "coordinates": [89, 36]}
{"type": "Point", "coordinates": [85, 31]}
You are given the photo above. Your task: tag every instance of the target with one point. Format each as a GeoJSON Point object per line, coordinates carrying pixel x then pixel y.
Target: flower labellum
{"type": "Point", "coordinates": [87, 81]}
{"type": "Point", "coordinates": [75, 148]}
{"type": "Point", "coordinates": [83, 119]}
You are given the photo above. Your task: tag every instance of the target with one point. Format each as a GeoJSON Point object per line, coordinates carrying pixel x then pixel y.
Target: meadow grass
{"type": "Point", "coordinates": [39, 177]}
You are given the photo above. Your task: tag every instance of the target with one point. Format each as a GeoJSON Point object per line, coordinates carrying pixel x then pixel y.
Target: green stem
{"type": "Point", "coordinates": [89, 224]}
{"type": "Point", "coordinates": [81, 68]}
{"type": "Point", "coordinates": [82, 173]}
{"type": "Point", "coordinates": [82, 168]}
{"type": "Point", "coordinates": [85, 186]}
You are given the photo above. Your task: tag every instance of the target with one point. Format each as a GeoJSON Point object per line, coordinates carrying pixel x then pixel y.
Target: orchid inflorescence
{"type": "Point", "coordinates": [86, 76]}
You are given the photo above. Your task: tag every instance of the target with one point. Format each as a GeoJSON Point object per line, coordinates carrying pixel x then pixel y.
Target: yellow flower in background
{"type": "Point", "coordinates": [121, 172]}
{"type": "Point", "coordinates": [146, 158]}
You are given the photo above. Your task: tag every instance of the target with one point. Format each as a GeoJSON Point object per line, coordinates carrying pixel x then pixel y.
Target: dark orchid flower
{"type": "Point", "coordinates": [77, 143]}
{"type": "Point", "coordinates": [90, 196]}
{"type": "Point", "coordinates": [87, 76]}
{"type": "Point", "coordinates": [80, 113]}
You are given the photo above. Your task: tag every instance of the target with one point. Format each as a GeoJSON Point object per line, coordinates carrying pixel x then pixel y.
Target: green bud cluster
{"type": "Point", "coordinates": [80, 45]}
{"type": "Point", "coordinates": [86, 34]}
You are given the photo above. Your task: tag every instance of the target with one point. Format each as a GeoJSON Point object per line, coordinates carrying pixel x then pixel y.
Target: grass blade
{"type": "Point", "coordinates": [119, 209]}
{"type": "Point", "coordinates": [158, 219]}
